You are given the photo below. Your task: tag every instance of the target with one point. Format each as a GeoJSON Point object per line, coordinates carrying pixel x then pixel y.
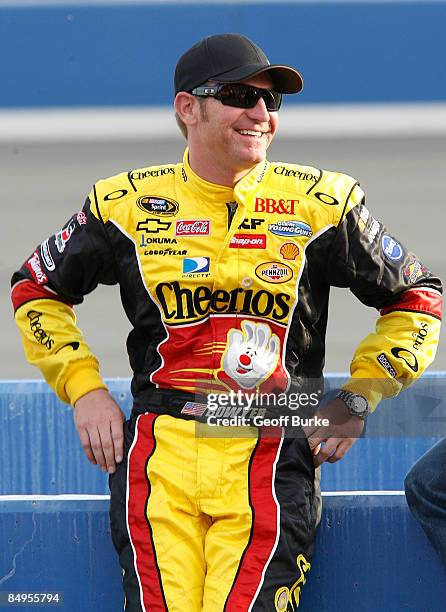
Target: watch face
{"type": "Point", "coordinates": [359, 404]}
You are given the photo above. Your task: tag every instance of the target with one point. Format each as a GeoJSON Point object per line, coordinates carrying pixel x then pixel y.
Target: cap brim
{"type": "Point", "coordinates": [285, 79]}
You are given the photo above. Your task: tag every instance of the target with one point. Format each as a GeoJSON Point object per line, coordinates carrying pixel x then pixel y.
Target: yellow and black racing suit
{"type": "Point", "coordinates": [226, 289]}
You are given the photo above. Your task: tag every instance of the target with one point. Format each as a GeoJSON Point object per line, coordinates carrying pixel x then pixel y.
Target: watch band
{"type": "Point", "coordinates": [357, 405]}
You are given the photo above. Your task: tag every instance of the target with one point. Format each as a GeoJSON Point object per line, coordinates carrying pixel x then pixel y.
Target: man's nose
{"type": "Point", "coordinates": [259, 112]}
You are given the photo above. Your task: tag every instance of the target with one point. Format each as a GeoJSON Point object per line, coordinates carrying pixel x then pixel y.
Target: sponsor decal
{"type": "Point", "coordinates": [145, 241]}
{"type": "Point", "coordinates": [153, 226]}
{"type": "Point", "coordinates": [274, 272]}
{"type": "Point", "coordinates": [248, 241]}
{"type": "Point", "coordinates": [251, 355]}
{"type": "Point", "coordinates": [373, 230]}
{"type": "Point", "coordinates": [409, 358]}
{"type": "Point", "coordinates": [193, 227]}
{"type": "Point", "coordinates": [391, 248]}
{"type": "Point", "coordinates": [385, 363]}
{"type": "Point", "coordinates": [164, 252]}
{"type": "Point", "coordinates": [289, 250]}
{"type": "Point", "coordinates": [81, 218]}
{"type": "Point", "coordinates": [46, 256]}
{"type": "Point", "coordinates": [178, 302]}
{"type": "Point", "coordinates": [278, 207]}
{"type": "Point", "coordinates": [291, 228]}
{"type": "Point", "coordinates": [116, 195]}
{"type": "Point", "coordinates": [325, 198]}
{"type": "Point", "coordinates": [142, 174]}
{"type": "Point", "coordinates": [251, 224]}
{"type": "Point", "coordinates": [420, 335]}
{"type": "Point", "coordinates": [158, 205]}
{"type": "Point", "coordinates": [74, 346]}
{"type": "Point", "coordinates": [37, 330]}
{"type": "Point", "coordinates": [196, 265]}
{"type": "Point", "coordinates": [286, 598]}
{"type": "Point", "coordinates": [194, 408]}
{"type": "Point", "coordinates": [413, 271]}
{"type": "Point", "coordinates": [303, 176]}
{"type": "Point", "coordinates": [183, 174]}
{"type": "Point", "coordinates": [364, 215]}
{"type": "Point", "coordinates": [33, 265]}
{"type": "Point", "coordinates": [62, 237]}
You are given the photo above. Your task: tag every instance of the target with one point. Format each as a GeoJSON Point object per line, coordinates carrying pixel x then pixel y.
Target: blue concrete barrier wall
{"type": "Point", "coordinates": [41, 454]}
{"type": "Point", "coordinates": [124, 54]}
{"type": "Point", "coordinates": [371, 556]}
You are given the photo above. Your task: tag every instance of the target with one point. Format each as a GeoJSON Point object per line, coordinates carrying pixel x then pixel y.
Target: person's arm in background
{"type": "Point", "coordinates": [382, 273]}
{"type": "Point", "coordinates": [63, 269]}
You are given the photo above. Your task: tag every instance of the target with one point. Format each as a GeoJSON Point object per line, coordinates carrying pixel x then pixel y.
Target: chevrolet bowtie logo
{"type": "Point", "coordinates": [153, 226]}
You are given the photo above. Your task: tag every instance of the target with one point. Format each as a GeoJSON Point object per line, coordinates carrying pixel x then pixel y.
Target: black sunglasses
{"type": "Point", "coordinates": [240, 95]}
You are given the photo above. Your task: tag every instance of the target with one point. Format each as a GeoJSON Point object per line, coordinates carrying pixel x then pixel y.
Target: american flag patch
{"type": "Point", "coordinates": [194, 408]}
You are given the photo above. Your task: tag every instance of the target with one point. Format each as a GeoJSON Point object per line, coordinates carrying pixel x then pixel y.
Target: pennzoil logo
{"type": "Point", "coordinates": [158, 205]}
{"type": "Point", "coordinates": [274, 272]}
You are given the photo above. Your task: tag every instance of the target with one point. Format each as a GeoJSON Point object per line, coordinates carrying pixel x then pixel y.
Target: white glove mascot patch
{"type": "Point", "coordinates": [251, 355]}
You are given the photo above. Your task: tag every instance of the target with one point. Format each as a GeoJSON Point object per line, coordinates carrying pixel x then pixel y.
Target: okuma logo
{"type": "Point", "coordinates": [196, 265]}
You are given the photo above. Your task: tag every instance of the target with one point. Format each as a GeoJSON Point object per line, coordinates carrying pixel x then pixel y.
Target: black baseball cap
{"type": "Point", "coordinates": [230, 58]}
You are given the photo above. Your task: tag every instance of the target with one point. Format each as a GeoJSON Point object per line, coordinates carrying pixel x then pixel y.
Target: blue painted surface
{"type": "Point", "coordinates": [125, 54]}
{"type": "Point", "coordinates": [41, 453]}
{"type": "Point", "coordinates": [371, 556]}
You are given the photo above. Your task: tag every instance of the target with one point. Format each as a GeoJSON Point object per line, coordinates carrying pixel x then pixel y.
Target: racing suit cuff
{"type": "Point", "coordinates": [372, 388]}
{"type": "Point", "coordinates": [83, 381]}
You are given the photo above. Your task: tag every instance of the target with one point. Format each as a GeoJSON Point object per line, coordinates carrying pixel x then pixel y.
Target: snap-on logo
{"type": "Point", "coordinates": [248, 241]}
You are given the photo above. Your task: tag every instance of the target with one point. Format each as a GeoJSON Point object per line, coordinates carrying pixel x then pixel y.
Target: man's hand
{"type": "Point", "coordinates": [342, 432]}
{"type": "Point", "coordinates": [99, 423]}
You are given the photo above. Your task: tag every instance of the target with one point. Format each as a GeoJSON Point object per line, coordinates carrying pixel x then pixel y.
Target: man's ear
{"type": "Point", "coordinates": [187, 107]}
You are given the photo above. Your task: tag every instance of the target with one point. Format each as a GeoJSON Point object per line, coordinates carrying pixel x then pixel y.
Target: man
{"type": "Point", "coordinates": [425, 486]}
{"type": "Point", "coordinates": [224, 263]}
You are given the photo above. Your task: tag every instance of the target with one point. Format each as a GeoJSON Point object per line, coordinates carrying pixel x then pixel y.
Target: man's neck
{"type": "Point", "coordinates": [217, 173]}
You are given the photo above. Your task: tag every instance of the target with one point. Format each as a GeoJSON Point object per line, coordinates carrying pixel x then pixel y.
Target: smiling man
{"type": "Point", "coordinates": [224, 262]}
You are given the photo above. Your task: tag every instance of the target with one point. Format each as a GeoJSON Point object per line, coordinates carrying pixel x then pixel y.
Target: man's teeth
{"type": "Point", "coordinates": [250, 133]}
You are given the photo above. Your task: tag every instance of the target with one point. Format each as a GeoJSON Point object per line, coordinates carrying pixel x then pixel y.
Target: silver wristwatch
{"type": "Point", "coordinates": [357, 404]}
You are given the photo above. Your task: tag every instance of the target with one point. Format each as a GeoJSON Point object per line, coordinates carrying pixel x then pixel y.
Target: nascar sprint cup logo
{"type": "Point", "coordinates": [157, 205]}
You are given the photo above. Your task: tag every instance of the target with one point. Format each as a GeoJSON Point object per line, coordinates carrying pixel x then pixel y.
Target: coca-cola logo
{"type": "Point", "coordinates": [193, 227]}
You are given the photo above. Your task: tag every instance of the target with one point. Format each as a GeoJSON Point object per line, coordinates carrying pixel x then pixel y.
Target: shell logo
{"type": "Point", "coordinates": [289, 250]}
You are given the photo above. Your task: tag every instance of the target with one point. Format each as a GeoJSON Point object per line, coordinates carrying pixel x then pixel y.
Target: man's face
{"type": "Point", "coordinates": [236, 137]}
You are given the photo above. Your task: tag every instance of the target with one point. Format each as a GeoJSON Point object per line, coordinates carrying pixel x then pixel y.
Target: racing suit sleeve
{"type": "Point", "coordinates": [382, 273]}
{"type": "Point", "coordinates": [64, 268]}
